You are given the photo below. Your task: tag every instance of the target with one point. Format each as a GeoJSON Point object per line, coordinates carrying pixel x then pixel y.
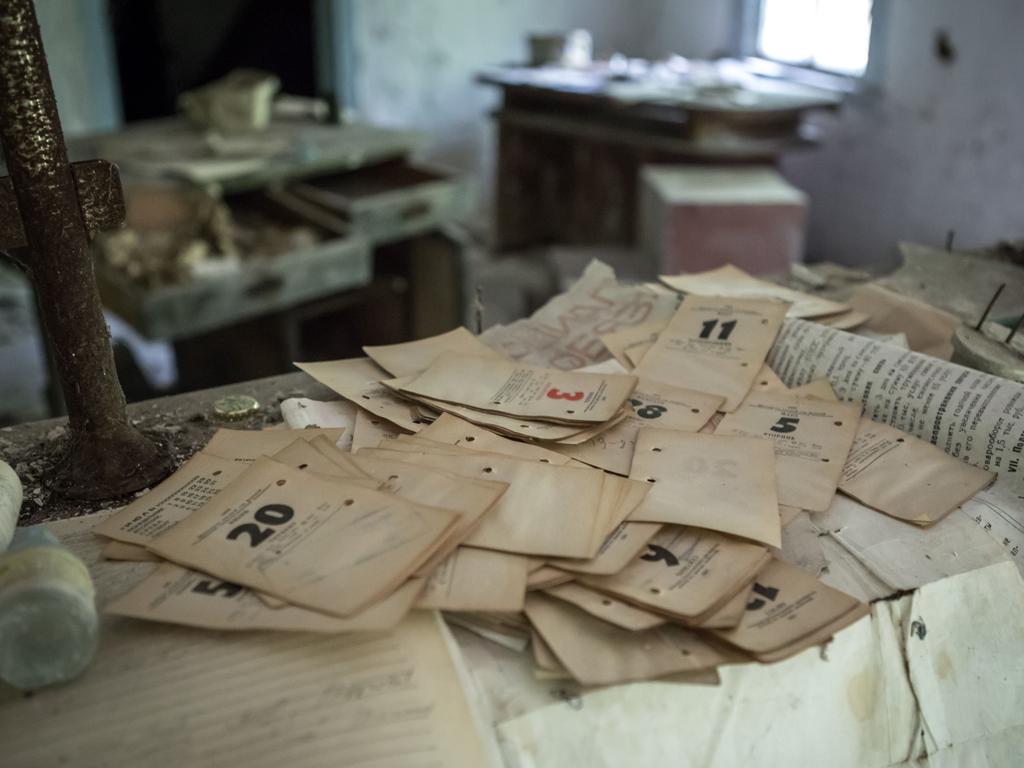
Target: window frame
{"type": "Point", "coordinates": [750, 18]}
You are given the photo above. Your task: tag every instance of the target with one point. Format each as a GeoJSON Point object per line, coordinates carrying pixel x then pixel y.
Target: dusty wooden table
{"type": "Point", "coordinates": [183, 423]}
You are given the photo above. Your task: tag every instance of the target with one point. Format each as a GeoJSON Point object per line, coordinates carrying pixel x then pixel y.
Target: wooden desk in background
{"type": "Point", "coordinates": [569, 153]}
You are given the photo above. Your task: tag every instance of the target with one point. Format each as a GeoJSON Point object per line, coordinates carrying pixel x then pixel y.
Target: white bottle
{"type": "Point", "coordinates": [48, 622]}
{"type": "Point", "coordinates": [10, 503]}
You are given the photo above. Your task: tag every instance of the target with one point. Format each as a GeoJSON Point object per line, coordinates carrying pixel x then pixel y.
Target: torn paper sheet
{"type": "Point", "coordinates": [472, 498]}
{"type": "Point", "coordinates": [861, 703]}
{"type": "Point", "coordinates": [733, 282]}
{"type": "Point", "coordinates": [301, 412]}
{"type": "Point", "coordinates": [204, 475]}
{"type": "Point", "coordinates": [189, 488]}
{"type": "Point", "coordinates": [566, 332]}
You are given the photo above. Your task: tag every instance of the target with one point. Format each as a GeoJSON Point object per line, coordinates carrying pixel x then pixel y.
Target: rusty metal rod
{"type": "Point", "coordinates": [107, 456]}
{"type": "Point", "coordinates": [1016, 328]}
{"type": "Point", "coordinates": [991, 303]}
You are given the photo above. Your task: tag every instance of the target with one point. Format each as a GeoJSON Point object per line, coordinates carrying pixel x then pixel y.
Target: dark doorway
{"type": "Point", "coordinates": [165, 47]}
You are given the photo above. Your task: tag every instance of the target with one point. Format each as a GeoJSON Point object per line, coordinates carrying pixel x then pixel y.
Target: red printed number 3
{"type": "Point", "coordinates": [555, 394]}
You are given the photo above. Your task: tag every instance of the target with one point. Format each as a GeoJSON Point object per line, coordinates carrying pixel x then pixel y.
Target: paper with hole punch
{"type": "Point", "coordinates": [359, 380]}
{"type": "Point", "coordinates": [316, 542]}
{"type": "Point", "coordinates": [412, 357]}
{"type": "Point", "coordinates": [812, 439]}
{"type": "Point", "coordinates": [512, 426]}
{"type": "Point", "coordinates": [370, 430]}
{"type": "Point", "coordinates": [618, 549]}
{"type": "Point", "coordinates": [790, 610]}
{"type": "Point", "coordinates": [724, 484]}
{"type": "Point", "coordinates": [194, 483]}
{"type": "Point", "coordinates": [302, 412]}
{"type": "Point", "coordinates": [472, 579]}
{"type": "Point", "coordinates": [546, 577]}
{"type": "Point", "coordinates": [472, 498]}
{"type": "Point", "coordinates": [907, 478]}
{"type": "Point", "coordinates": [606, 608]}
{"type": "Point", "coordinates": [546, 511]}
{"type": "Point", "coordinates": [652, 404]}
{"type": "Point", "coordinates": [306, 457]}
{"type": "Point", "coordinates": [598, 653]}
{"type": "Point", "coordinates": [898, 691]}
{"type": "Point", "coordinates": [177, 595]}
{"type": "Point", "coordinates": [247, 445]}
{"type": "Point", "coordinates": [388, 698]}
{"type": "Point", "coordinates": [619, 496]}
{"type": "Point", "coordinates": [685, 573]}
{"type": "Point", "coordinates": [715, 346]}
{"type": "Point", "coordinates": [513, 389]}
{"type": "Point", "coordinates": [455, 431]}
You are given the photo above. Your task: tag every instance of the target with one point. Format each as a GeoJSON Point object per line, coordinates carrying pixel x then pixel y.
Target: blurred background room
{"type": "Point", "coordinates": [309, 177]}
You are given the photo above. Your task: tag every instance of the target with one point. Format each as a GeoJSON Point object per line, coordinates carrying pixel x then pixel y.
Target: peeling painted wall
{"type": "Point", "coordinates": [939, 147]}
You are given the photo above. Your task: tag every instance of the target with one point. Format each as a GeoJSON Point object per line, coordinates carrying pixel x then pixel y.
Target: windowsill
{"type": "Point", "coordinates": [814, 78]}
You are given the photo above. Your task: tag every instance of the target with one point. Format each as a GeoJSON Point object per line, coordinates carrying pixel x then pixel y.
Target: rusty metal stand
{"type": "Point", "coordinates": [50, 207]}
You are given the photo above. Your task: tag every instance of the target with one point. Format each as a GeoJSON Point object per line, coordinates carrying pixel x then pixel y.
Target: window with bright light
{"type": "Point", "coordinates": [831, 35]}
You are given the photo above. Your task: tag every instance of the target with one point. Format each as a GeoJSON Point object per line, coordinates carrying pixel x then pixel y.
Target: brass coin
{"type": "Point", "coordinates": [235, 407]}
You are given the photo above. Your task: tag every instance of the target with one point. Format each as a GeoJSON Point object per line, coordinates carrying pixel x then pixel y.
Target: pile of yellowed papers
{"type": "Point", "coordinates": [623, 520]}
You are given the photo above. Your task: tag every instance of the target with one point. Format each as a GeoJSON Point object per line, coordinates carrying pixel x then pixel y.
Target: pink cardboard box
{"type": "Point", "coordinates": [695, 218]}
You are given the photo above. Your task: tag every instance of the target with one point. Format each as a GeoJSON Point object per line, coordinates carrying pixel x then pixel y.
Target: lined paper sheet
{"type": "Point", "coordinates": [167, 695]}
